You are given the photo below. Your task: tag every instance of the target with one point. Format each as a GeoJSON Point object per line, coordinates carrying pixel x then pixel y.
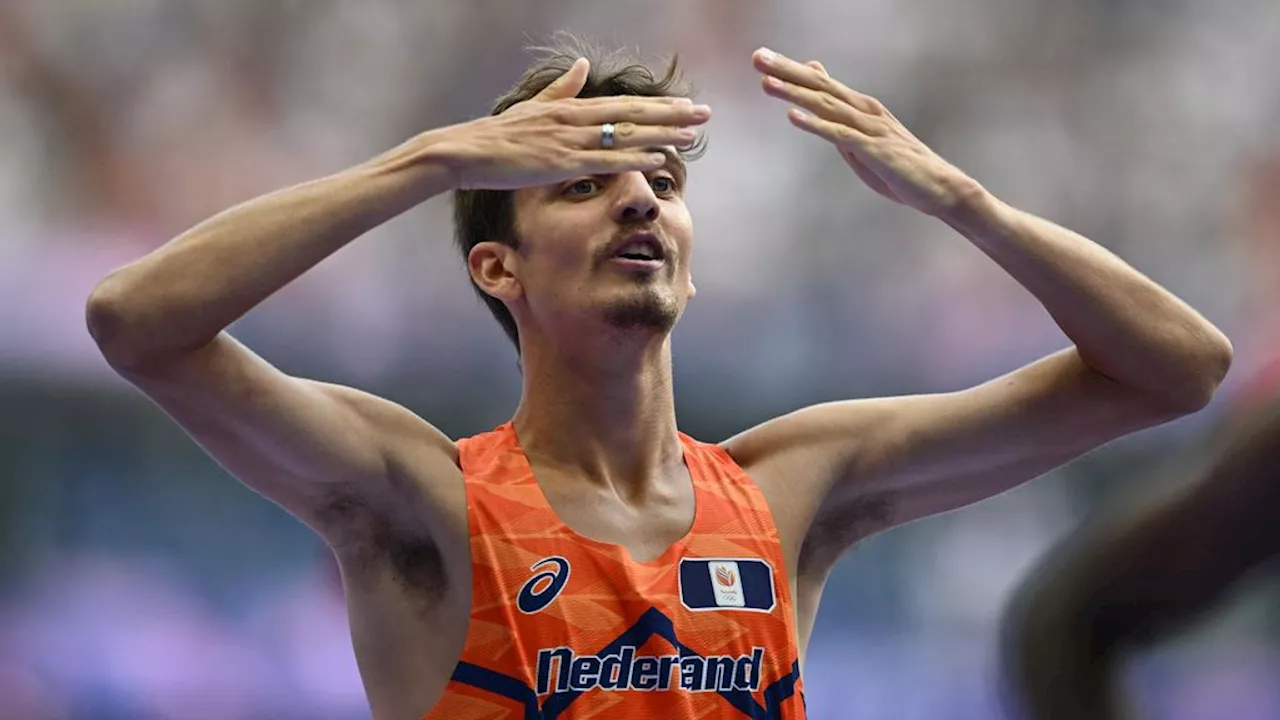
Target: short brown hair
{"type": "Point", "coordinates": [481, 215]}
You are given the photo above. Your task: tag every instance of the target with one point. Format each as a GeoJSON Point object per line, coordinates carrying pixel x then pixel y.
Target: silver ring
{"type": "Point", "coordinates": [606, 136]}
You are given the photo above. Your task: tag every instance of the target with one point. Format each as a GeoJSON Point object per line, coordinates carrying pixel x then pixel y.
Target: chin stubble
{"type": "Point", "coordinates": [650, 310]}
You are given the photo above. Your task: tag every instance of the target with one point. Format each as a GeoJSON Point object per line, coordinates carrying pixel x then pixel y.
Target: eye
{"type": "Point", "coordinates": [585, 186]}
{"type": "Point", "coordinates": [664, 185]}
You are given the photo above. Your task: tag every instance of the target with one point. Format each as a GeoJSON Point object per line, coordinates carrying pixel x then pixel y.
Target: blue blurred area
{"type": "Point", "coordinates": [140, 581]}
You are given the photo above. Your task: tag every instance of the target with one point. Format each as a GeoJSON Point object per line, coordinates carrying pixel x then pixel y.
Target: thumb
{"type": "Point", "coordinates": [817, 66]}
{"type": "Point", "coordinates": [569, 84]}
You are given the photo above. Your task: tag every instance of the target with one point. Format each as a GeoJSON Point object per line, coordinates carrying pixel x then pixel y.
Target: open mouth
{"type": "Point", "coordinates": [641, 248]}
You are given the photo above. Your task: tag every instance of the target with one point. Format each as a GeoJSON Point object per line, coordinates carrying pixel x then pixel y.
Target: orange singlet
{"type": "Point", "coordinates": [565, 627]}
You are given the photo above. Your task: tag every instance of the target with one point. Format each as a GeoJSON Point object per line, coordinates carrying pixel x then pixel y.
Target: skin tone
{"type": "Point", "coordinates": [596, 415]}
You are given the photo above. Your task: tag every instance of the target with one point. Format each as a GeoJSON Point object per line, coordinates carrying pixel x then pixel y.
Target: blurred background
{"type": "Point", "coordinates": [139, 581]}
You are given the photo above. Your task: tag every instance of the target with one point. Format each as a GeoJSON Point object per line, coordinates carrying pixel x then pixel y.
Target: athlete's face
{"type": "Point", "coordinates": [603, 248]}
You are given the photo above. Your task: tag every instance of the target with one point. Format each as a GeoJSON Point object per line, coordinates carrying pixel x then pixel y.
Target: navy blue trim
{"type": "Point", "coordinates": [499, 684]}
{"type": "Point", "coordinates": [651, 623]}
{"type": "Point", "coordinates": [781, 690]}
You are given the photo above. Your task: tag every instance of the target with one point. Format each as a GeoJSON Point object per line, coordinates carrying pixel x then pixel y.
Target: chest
{"type": "Point", "coordinates": [643, 529]}
{"type": "Point", "coordinates": [585, 617]}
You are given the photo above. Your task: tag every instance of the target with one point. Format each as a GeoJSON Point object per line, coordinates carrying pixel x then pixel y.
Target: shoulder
{"type": "Point", "coordinates": [836, 473]}
{"type": "Point", "coordinates": [799, 434]}
{"type": "Point", "coordinates": [397, 424]}
{"type": "Point", "coordinates": [418, 454]}
{"type": "Point", "coordinates": [424, 488]}
{"type": "Point", "coordinates": [795, 458]}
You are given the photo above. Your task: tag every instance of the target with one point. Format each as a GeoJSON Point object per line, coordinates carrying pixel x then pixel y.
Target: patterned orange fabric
{"type": "Point", "coordinates": [566, 627]}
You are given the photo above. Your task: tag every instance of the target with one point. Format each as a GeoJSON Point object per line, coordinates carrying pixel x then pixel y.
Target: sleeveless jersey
{"type": "Point", "coordinates": [566, 627]}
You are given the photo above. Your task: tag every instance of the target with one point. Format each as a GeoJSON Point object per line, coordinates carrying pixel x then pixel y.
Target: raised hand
{"type": "Point", "coordinates": [556, 136]}
{"type": "Point", "coordinates": [879, 149]}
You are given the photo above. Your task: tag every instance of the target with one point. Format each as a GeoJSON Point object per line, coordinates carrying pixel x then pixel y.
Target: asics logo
{"type": "Point", "coordinates": [551, 574]}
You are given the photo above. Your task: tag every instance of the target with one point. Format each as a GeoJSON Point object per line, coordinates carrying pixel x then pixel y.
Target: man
{"type": "Point", "coordinates": [586, 556]}
{"type": "Point", "coordinates": [1141, 574]}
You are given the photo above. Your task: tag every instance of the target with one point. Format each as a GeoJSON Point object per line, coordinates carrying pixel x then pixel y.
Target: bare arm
{"type": "Point", "coordinates": [159, 322]}
{"type": "Point", "coordinates": [841, 471]}
{"type": "Point", "coordinates": [179, 297]}
{"type": "Point", "coordinates": [329, 453]}
{"type": "Point", "coordinates": [1139, 574]}
{"type": "Point", "coordinates": [1141, 356]}
{"type": "Point", "coordinates": [1124, 326]}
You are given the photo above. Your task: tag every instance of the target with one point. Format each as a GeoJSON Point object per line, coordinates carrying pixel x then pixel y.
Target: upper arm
{"type": "Point", "coordinates": [318, 450]}
{"type": "Point", "coordinates": [851, 468]}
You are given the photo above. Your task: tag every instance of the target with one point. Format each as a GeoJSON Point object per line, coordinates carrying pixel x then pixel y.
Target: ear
{"type": "Point", "coordinates": [494, 267]}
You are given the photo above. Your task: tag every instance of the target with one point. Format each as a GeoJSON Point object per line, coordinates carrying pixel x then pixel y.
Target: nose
{"type": "Point", "coordinates": [634, 200]}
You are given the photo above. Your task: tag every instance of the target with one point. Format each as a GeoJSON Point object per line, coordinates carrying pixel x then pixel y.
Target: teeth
{"type": "Point", "coordinates": [638, 248]}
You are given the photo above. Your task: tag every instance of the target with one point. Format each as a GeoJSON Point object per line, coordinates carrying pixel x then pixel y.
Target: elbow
{"type": "Point", "coordinates": [103, 316]}
{"type": "Point", "coordinates": [112, 324]}
{"type": "Point", "coordinates": [1216, 355]}
{"type": "Point", "coordinates": [1207, 366]}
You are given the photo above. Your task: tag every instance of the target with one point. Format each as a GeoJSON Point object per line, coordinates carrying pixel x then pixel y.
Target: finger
{"type": "Point", "coordinates": [679, 112]}
{"type": "Point", "coordinates": [838, 133]}
{"type": "Point", "coordinates": [824, 105]}
{"type": "Point", "coordinates": [611, 162]}
{"type": "Point", "coordinates": [631, 135]}
{"type": "Point", "coordinates": [569, 84]}
{"type": "Point", "coordinates": [815, 78]}
{"type": "Point", "coordinates": [818, 66]}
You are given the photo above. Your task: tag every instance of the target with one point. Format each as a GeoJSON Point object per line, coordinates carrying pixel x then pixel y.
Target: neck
{"type": "Point", "coordinates": [605, 415]}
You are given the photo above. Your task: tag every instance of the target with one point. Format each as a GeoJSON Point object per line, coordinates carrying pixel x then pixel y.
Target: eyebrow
{"type": "Point", "coordinates": [674, 161]}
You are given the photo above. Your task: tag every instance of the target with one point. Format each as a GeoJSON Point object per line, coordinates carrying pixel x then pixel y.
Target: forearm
{"type": "Point", "coordinates": [1123, 324]}
{"type": "Point", "coordinates": [179, 297]}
